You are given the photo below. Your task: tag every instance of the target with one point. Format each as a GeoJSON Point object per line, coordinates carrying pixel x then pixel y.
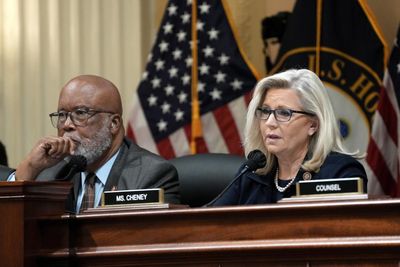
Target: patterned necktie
{"type": "Point", "coordinates": [88, 197]}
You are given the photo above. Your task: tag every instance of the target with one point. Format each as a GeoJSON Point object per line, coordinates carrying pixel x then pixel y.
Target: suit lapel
{"type": "Point", "coordinates": [117, 168]}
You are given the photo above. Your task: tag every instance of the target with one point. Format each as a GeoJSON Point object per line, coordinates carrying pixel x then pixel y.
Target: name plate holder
{"type": "Point", "coordinates": [137, 197]}
{"type": "Point", "coordinates": [328, 189]}
{"type": "Point", "coordinates": [338, 186]}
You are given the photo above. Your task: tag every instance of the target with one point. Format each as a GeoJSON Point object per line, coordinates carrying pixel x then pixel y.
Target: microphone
{"type": "Point", "coordinates": [255, 160]}
{"type": "Point", "coordinates": [75, 165]}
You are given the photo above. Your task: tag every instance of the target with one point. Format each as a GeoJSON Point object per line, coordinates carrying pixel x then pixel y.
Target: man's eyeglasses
{"type": "Point", "coordinates": [79, 116]}
{"type": "Point", "coordinates": [282, 114]}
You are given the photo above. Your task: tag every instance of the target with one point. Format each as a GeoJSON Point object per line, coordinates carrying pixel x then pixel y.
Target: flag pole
{"type": "Point", "coordinates": [196, 123]}
{"type": "Point", "coordinates": [318, 37]}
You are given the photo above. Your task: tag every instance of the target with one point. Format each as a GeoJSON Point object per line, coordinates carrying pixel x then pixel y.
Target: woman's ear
{"type": "Point", "coordinates": [313, 128]}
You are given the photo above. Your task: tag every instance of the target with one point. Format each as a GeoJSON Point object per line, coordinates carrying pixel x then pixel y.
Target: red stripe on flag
{"type": "Point", "coordinates": [165, 148]}
{"type": "Point", "coordinates": [388, 114]}
{"type": "Point", "coordinates": [228, 129]}
{"type": "Point", "coordinates": [247, 97]}
{"type": "Point", "coordinates": [200, 142]}
{"type": "Point", "coordinates": [378, 165]}
{"type": "Point", "coordinates": [130, 134]}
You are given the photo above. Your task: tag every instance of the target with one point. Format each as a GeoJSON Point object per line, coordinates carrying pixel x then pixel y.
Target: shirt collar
{"type": "Point", "coordinates": [103, 172]}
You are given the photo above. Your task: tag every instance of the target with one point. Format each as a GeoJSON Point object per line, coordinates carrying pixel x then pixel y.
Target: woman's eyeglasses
{"type": "Point", "coordinates": [282, 114]}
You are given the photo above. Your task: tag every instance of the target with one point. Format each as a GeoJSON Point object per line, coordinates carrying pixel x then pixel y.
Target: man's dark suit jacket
{"type": "Point", "coordinates": [252, 188]}
{"type": "Point", "coordinates": [134, 168]}
{"type": "Point", "coordinates": [3, 155]}
{"type": "Point", "coordinates": [5, 172]}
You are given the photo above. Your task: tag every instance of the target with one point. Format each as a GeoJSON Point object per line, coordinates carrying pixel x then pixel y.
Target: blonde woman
{"type": "Point", "coordinates": [291, 120]}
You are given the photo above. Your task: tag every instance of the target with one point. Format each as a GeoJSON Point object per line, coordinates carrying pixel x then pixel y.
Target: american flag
{"type": "Point", "coordinates": [384, 147]}
{"type": "Point", "coordinates": [161, 117]}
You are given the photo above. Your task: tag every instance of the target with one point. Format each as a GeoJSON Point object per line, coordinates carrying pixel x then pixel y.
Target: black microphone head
{"type": "Point", "coordinates": [256, 160]}
{"type": "Point", "coordinates": [79, 163]}
{"type": "Point", "coordinates": [76, 164]}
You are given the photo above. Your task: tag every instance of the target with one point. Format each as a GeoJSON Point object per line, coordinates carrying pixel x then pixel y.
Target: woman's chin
{"type": "Point", "coordinates": [273, 149]}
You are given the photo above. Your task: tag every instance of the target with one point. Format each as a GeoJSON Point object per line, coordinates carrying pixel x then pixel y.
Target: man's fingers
{"type": "Point", "coordinates": [72, 146]}
{"type": "Point", "coordinates": [58, 147]}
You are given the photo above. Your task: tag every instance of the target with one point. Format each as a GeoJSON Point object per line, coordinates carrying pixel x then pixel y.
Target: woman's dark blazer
{"type": "Point", "coordinates": [251, 188]}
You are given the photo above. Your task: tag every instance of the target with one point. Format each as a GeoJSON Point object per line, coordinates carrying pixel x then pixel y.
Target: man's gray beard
{"type": "Point", "coordinates": [93, 148]}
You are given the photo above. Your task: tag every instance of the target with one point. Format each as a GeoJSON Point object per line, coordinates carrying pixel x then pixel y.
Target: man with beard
{"type": "Point", "coordinates": [89, 123]}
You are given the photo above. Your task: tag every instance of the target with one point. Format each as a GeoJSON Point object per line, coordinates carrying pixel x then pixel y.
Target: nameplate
{"type": "Point", "coordinates": [137, 196]}
{"type": "Point", "coordinates": [338, 186]}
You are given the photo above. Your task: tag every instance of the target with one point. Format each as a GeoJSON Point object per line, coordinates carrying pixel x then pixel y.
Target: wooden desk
{"type": "Point", "coordinates": [345, 233]}
{"type": "Point", "coordinates": [22, 204]}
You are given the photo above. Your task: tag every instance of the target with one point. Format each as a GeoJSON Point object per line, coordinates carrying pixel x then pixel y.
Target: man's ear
{"type": "Point", "coordinates": [115, 123]}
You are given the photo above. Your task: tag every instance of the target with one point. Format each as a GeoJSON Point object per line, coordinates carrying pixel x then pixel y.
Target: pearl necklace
{"type": "Point", "coordinates": [282, 189]}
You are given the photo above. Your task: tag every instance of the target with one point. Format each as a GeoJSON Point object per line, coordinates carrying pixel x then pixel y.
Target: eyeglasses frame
{"type": "Point", "coordinates": [274, 111]}
{"type": "Point", "coordinates": [91, 112]}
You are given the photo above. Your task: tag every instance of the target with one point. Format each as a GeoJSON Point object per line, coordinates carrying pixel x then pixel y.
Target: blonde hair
{"type": "Point", "coordinates": [314, 99]}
